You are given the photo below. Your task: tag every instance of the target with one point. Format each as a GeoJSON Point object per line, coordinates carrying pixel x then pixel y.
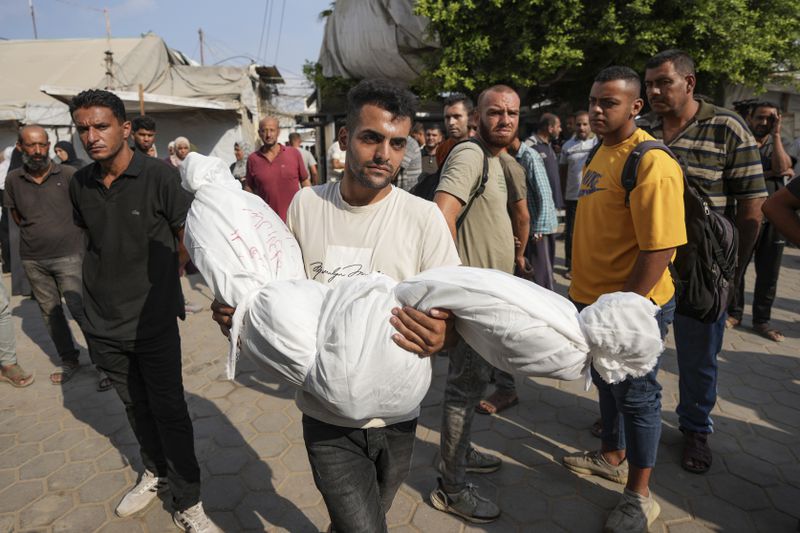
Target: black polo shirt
{"type": "Point", "coordinates": [130, 272]}
{"type": "Point", "coordinates": [46, 228]}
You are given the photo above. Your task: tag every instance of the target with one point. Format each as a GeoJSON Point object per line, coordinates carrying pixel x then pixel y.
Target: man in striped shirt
{"type": "Point", "coordinates": [724, 165]}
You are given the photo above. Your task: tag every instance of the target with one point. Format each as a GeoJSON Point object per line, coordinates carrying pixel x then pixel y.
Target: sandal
{"type": "Point", "coordinates": [732, 322]}
{"type": "Point", "coordinates": [15, 375]}
{"type": "Point", "coordinates": [767, 332]}
{"type": "Point", "coordinates": [496, 403]}
{"type": "Point", "coordinates": [104, 384]}
{"type": "Point", "coordinates": [696, 452]}
{"type": "Point", "coordinates": [64, 373]}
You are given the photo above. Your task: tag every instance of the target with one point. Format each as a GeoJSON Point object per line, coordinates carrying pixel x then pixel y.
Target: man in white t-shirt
{"type": "Point", "coordinates": [360, 225]}
{"type": "Point", "coordinates": [573, 156]}
{"type": "Point", "coordinates": [296, 141]}
{"type": "Point", "coordinates": [336, 161]}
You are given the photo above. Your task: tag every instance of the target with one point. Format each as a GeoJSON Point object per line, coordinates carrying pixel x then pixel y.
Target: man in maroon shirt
{"type": "Point", "coordinates": [275, 172]}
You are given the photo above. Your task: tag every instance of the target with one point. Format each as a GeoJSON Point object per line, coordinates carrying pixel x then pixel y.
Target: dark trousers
{"type": "Point", "coordinates": [541, 255]}
{"type": "Point", "coordinates": [147, 376]}
{"type": "Point", "coordinates": [571, 207]}
{"type": "Point", "coordinates": [51, 280]}
{"type": "Point", "coordinates": [767, 253]}
{"type": "Point", "coordinates": [358, 471]}
{"type": "Point", "coordinates": [467, 377]}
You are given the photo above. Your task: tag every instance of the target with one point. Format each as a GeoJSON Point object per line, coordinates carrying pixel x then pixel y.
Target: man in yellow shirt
{"type": "Point", "coordinates": [621, 245]}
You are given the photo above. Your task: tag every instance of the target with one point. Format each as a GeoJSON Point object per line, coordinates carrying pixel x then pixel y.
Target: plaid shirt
{"type": "Point", "coordinates": [720, 155]}
{"type": "Point", "coordinates": [540, 198]}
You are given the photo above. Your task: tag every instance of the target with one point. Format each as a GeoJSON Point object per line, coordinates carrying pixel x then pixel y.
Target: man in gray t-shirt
{"type": "Point", "coordinates": [37, 195]}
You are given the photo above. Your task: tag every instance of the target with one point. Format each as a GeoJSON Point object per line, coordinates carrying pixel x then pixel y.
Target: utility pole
{"type": "Point", "coordinates": [202, 58]}
{"type": "Point", "coordinates": [33, 18]}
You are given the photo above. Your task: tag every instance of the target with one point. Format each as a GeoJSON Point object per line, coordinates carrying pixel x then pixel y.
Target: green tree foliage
{"type": "Point", "coordinates": [553, 48]}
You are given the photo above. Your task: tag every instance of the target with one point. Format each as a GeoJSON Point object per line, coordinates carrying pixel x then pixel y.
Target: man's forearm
{"type": "Point", "coordinates": [748, 224]}
{"type": "Point", "coordinates": [648, 269]}
{"type": "Point", "coordinates": [520, 225]}
{"type": "Point", "coordinates": [781, 209]}
{"type": "Point", "coordinates": [781, 162]}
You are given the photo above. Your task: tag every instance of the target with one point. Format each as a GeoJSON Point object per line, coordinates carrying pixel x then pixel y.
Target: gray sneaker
{"type": "Point", "coordinates": [467, 504]}
{"type": "Point", "coordinates": [195, 520]}
{"type": "Point", "coordinates": [140, 496]}
{"type": "Point", "coordinates": [633, 514]}
{"type": "Point", "coordinates": [478, 462]}
{"type": "Point", "coordinates": [593, 463]}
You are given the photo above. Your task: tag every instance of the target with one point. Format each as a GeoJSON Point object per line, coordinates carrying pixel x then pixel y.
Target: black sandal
{"type": "Point", "coordinates": [696, 452]}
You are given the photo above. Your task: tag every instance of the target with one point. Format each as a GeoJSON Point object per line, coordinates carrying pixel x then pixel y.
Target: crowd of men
{"type": "Point", "coordinates": [84, 228]}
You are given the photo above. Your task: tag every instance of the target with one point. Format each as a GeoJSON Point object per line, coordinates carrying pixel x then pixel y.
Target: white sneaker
{"type": "Point", "coordinates": [194, 520]}
{"type": "Point", "coordinates": [633, 514]}
{"type": "Point", "coordinates": [141, 495]}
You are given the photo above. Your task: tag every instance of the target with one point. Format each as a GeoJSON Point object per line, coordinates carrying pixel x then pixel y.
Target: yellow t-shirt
{"type": "Point", "coordinates": [608, 235]}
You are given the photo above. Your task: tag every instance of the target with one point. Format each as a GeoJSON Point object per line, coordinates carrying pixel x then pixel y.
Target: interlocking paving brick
{"type": "Point", "coordinates": [300, 488]}
{"type": "Point", "coordinates": [45, 510]}
{"type": "Point", "coordinates": [574, 514]}
{"type": "Point", "coordinates": [64, 440]}
{"type": "Point", "coordinates": [223, 493]}
{"type": "Point", "coordinates": [785, 499]}
{"type": "Point", "coordinates": [81, 520]}
{"type": "Point", "coordinates": [269, 445]}
{"type": "Point", "coordinates": [18, 455]}
{"type": "Point", "coordinates": [426, 518]}
{"type": "Point", "coordinates": [103, 486]}
{"type": "Point", "coordinates": [715, 513]}
{"type": "Point", "coordinates": [17, 496]}
{"type": "Point", "coordinates": [296, 458]}
{"type": "Point", "coordinates": [70, 476]}
{"type": "Point", "coordinates": [42, 466]}
{"type": "Point", "coordinates": [231, 461]}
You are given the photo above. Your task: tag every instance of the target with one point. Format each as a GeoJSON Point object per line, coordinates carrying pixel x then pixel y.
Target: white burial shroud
{"type": "Point", "coordinates": [335, 343]}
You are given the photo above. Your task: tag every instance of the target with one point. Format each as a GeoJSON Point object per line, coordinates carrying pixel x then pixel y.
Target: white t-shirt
{"type": "Point", "coordinates": [308, 159]}
{"type": "Point", "coordinates": [400, 236]}
{"type": "Point", "coordinates": [334, 152]}
{"type": "Point", "coordinates": [573, 155]}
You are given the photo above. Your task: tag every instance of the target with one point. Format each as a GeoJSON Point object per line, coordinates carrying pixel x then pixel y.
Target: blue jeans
{"type": "Point", "coordinates": [638, 401]}
{"type": "Point", "coordinates": [697, 345]}
{"type": "Point", "coordinates": [358, 471]}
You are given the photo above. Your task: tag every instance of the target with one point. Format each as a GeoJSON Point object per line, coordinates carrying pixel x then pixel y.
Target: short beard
{"type": "Point", "coordinates": [35, 164]}
{"type": "Point", "coordinates": [363, 180]}
{"type": "Point", "coordinates": [485, 134]}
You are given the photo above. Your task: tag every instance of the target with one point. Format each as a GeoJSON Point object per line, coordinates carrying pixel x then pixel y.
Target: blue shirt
{"type": "Point", "coordinates": [540, 196]}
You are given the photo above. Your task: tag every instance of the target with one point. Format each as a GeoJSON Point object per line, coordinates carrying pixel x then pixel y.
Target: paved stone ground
{"type": "Point", "coordinates": [67, 454]}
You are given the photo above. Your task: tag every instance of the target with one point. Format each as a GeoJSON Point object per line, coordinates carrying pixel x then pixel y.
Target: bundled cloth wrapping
{"type": "Point", "coordinates": [335, 342]}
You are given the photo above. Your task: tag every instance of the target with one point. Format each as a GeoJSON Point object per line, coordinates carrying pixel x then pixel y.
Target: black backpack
{"type": "Point", "coordinates": [427, 185]}
{"type": "Point", "coordinates": [704, 268]}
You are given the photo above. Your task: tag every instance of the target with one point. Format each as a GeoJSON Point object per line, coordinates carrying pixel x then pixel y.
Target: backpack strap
{"type": "Point", "coordinates": [481, 186]}
{"type": "Point", "coordinates": [592, 153]}
{"type": "Point", "coordinates": [631, 168]}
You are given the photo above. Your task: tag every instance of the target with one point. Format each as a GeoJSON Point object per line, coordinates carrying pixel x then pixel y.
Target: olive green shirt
{"type": "Point", "coordinates": [485, 239]}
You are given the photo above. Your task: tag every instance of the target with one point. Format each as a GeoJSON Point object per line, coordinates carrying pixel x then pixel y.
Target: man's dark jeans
{"type": "Point", "coordinates": [147, 376]}
{"type": "Point", "coordinates": [358, 471]}
{"type": "Point", "coordinates": [50, 280]}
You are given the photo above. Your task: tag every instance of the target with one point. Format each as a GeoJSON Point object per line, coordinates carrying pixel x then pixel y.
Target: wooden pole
{"type": "Point", "coordinates": [141, 99]}
{"type": "Point", "coordinates": [202, 57]}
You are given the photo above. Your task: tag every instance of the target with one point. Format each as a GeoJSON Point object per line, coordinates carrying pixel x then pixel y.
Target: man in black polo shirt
{"type": "Point", "coordinates": [133, 210]}
{"type": "Point", "coordinates": [51, 245]}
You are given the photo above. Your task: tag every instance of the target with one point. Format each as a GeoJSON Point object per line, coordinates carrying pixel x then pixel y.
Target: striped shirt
{"type": "Point", "coordinates": [720, 156]}
{"type": "Point", "coordinates": [540, 197]}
